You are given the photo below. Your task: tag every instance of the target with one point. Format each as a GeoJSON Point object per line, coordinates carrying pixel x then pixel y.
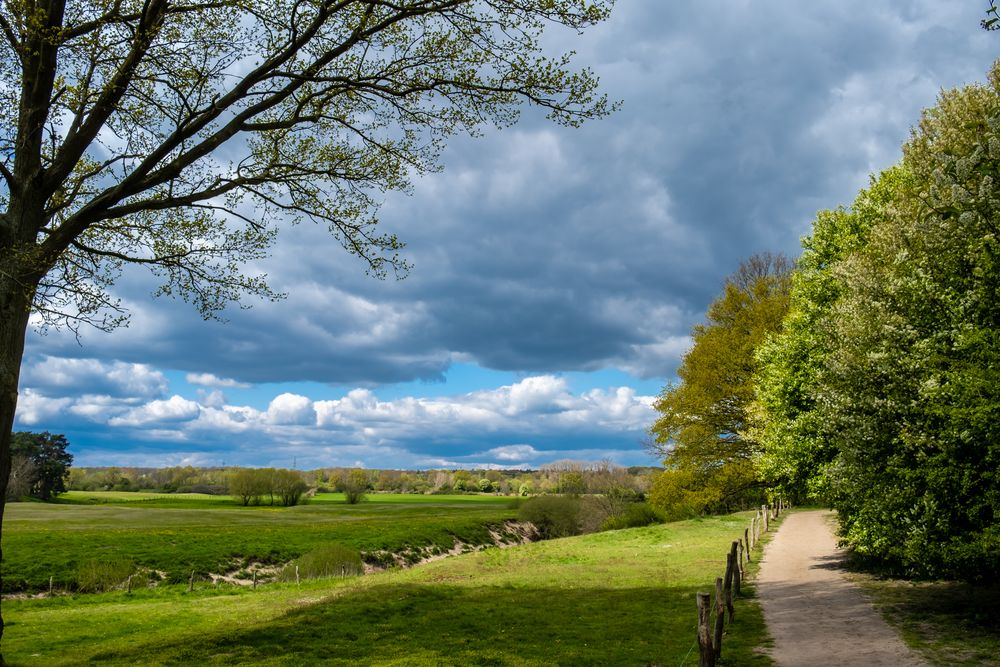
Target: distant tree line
{"type": "Point", "coordinates": [868, 377]}
{"type": "Point", "coordinates": [568, 477]}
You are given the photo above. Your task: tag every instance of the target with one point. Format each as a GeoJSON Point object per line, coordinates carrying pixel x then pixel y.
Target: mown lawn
{"type": "Point", "coordinates": [178, 534]}
{"type": "Point", "coordinates": [615, 598]}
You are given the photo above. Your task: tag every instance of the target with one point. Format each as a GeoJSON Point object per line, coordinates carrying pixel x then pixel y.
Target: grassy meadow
{"type": "Point", "coordinates": [176, 534]}
{"type": "Point", "coordinates": [619, 597]}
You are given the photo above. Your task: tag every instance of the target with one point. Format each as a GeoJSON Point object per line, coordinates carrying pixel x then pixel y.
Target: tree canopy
{"type": "Point", "coordinates": [49, 462]}
{"type": "Point", "coordinates": [883, 388]}
{"type": "Point", "coordinates": [703, 419]}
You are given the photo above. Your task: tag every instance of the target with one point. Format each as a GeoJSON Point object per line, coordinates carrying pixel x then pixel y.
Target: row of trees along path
{"type": "Point", "coordinates": [815, 614]}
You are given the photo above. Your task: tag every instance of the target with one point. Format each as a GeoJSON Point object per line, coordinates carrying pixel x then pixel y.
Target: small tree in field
{"type": "Point", "coordinates": [355, 485]}
{"type": "Point", "coordinates": [288, 487]}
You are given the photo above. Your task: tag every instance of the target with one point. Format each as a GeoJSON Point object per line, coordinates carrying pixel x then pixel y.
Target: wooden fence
{"type": "Point", "coordinates": [728, 587]}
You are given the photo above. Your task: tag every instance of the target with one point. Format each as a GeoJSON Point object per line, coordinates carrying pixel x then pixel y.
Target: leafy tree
{"type": "Point", "coordinates": [794, 447]}
{"type": "Point", "coordinates": [248, 485]}
{"type": "Point", "coordinates": [703, 419]}
{"type": "Point", "coordinates": [572, 482]}
{"type": "Point", "coordinates": [288, 486]}
{"type": "Point", "coordinates": [882, 389]}
{"type": "Point", "coordinates": [115, 113]}
{"type": "Point", "coordinates": [50, 461]}
{"type": "Point", "coordinates": [355, 484]}
{"type": "Point", "coordinates": [912, 395]}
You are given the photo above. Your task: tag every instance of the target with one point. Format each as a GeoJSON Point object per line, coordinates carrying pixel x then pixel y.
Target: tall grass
{"type": "Point", "coordinates": [329, 560]}
{"type": "Point", "coordinates": [97, 575]}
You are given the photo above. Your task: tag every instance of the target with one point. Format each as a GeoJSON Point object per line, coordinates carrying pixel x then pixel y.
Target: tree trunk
{"type": "Point", "coordinates": [15, 307]}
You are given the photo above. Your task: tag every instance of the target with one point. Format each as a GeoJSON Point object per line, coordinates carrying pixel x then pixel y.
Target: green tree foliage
{"type": "Point", "coordinates": [914, 388]}
{"type": "Point", "coordinates": [252, 485]}
{"type": "Point", "coordinates": [354, 485]}
{"type": "Point", "coordinates": [49, 462]}
{"type": "Point", "coordinates": [793, 444]}
{"type": "Point", "coordinates": [898, 410]}
{"type": "Point", "coordinates": [703, 419]}
{"type": "Point", "coordinates": [553, 516]}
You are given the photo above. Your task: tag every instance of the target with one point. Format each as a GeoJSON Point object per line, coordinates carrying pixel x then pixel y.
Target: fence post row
{"type": "Point", "coordinates": [709, 643]}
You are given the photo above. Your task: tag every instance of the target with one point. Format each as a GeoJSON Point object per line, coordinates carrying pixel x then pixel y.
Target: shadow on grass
{"type": "Point", "coordinates": [407, 624]}
{"type": "Point", "coordinates": [952, 623]}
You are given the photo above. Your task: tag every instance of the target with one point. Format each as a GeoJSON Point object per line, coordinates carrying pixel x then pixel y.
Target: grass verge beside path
{"type": "Point", "coordinates": [615, 598]}
{"type": "Point", "coordinates": [948, 623]}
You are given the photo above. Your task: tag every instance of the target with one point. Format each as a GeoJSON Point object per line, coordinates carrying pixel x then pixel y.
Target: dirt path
{"type": "Point", "coordinates": [815, 614]}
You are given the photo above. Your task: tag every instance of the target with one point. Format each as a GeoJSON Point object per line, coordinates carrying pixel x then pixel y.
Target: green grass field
{"type": "Point", "coordinates": [614, 598]}
{"type": "Point", "coordinates": [180, 533]}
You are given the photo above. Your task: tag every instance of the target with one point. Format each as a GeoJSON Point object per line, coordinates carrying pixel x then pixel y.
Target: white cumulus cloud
{"type": "Point", "coordinates": [291, 409]}
{"type": "Point", "coordinates": [174, 409]}
{"type": "Point", "coordinates": [210, 380]}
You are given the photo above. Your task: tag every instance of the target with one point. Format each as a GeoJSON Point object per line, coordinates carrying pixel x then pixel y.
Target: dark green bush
{"type": "Point", "coordinates": [553, 516]}
{"type": "Point", "coordinates": [634, 516]}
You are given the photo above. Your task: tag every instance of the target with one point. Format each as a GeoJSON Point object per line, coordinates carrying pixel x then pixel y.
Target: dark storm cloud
{"type": "Point", "coordinates": [545, 249]}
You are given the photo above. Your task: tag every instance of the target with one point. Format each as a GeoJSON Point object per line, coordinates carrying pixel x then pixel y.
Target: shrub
{"type": "Point", "coordinates": [553, 516]}
{"type": "Point", "coordinates": [329, 560]}
{"type": "Point", "coordinates": [97, 575]}
{"type": "Point", "coordinates": [634, 516]}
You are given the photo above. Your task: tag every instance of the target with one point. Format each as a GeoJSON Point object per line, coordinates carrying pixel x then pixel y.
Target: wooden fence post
{"type": "Point", "coordinates": [255, 579]}
{"type": "Point", "coordinates": [705, 649]}
{"type": "Point", "coordinates": [763, 511]}
{"type": "Point", "coordinates": [296, 575]}
{"type": "Point", "coordinates": [50, 586]}
{"type": "Point", "coordinates": [727, 587]}
{"type": "Point", "coordinates": [720, 617]}
{"type": "Point", "coordinates": [746, 541]}
{"type": "Point", "coordinates": [191, 582]}
{"type": "Point", "coordinates": [128, 585]}
{"type": "Point", "coordinates": [736, 555]}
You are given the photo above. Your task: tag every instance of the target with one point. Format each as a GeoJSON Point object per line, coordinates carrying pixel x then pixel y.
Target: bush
{"type": "Point", "coordinates": [553, 516]}
{"type": "Point", "coordinates": [634, 516]}
{"type": "Point", "coordinates": [97, 575]}
{"type": "Point", "coordinates": [329, 560]}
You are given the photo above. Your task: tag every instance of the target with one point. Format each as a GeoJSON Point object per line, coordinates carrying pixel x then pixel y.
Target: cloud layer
{"type": "Point", "coordinates": [538, 416]}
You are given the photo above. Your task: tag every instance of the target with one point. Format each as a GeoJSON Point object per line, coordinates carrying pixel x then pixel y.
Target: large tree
{"type": "Point", "coordinates": [793, 445]}
{"type": "Point", "coordinates": [911, 396]}
{"type": "Point", "coordinates": [702, 427]}
{"type": "Point", "coordinates": [178, 134]}
{"type": "Point", "coordinates": [882, 390]}
{"type": "Point", "coordinates": [49, 459]}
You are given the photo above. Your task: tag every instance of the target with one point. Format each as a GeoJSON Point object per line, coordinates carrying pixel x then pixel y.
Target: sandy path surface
{"type": "Point", "coordinates": [815, 614]}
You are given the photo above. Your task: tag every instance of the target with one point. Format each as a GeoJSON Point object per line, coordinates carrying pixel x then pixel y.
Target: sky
{"type": "Point", "coordinates": [557, 272]}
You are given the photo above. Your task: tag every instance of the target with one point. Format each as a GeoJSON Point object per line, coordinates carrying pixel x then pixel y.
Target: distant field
{"type": "Point", "coordinates": [181, 533]}
{"type": "Point", "coordinates": [615, 598]}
